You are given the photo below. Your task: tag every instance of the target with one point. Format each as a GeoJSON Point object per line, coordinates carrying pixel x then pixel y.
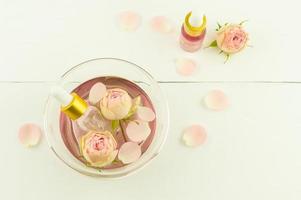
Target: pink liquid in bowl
{"type": "Point", "coordinates": [67, 129]}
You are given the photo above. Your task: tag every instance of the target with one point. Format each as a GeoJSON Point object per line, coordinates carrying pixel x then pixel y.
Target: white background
{"type": "Point", "coordinates": [253, 148]}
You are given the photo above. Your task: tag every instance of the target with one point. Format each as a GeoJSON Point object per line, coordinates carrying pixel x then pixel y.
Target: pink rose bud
{"type": "Point", "coordinates": [98, 148]}
{"type": "Point", "coordinates": [116, 104]}
{"type": "Point", "coordinates": [231, 38]}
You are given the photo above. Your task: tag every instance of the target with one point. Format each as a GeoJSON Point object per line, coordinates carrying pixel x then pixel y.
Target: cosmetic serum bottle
{"type": "Point", "coordinates": [87, 117]}
{"type": "Point", "coordinates": [193, 32]}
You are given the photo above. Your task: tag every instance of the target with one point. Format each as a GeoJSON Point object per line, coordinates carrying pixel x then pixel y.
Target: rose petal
{"type": "Point", "coordinates": [129, 20]}
{"type": "Point", "coordinates": [29, 134]}
{"type": "Point", "coordinates": [161, 24]}
{"type": "Point", "coordinates": [135, 103]}
{"type": "Point", "coordinates": [129, 152]}
{"type": "Point", "coordinates": [138, 131]}
{"type": "Point", "coordinates": [97, 92]}
{"type": "Point", "coordinates": [216, 100]}
{"type": "Point", "coordinates": [145, 114]}
{"type": "Point", "coordinates": [194, 136]}
{"type": "Point", "coordinates": [186, 66]}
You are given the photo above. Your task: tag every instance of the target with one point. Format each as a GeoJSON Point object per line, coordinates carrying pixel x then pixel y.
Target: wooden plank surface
{"type": "Point", "coordinates": [252, 150]}
{"type": "Point", "coordinates": [40, 40]}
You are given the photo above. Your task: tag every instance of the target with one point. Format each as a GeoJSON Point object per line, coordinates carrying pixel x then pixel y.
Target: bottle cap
{"type": "Point", "coordinates": [193, 24]}
{"type": "Point", "coordinates": [72, 104]}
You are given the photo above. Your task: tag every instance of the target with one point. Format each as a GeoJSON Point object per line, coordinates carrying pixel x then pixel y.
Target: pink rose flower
{"type": "Point", "coordinates": [231, 38]}
{"type": "Point", "coordinates": [116, 104]}
{"type": "Point", "coordinates": [98, 148]}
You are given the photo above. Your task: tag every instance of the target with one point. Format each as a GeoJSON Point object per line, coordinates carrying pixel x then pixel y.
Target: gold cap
{"type": "Point", "coordinates": [76, 107]}
{"type": "Point", "coordinates": [194, 30]}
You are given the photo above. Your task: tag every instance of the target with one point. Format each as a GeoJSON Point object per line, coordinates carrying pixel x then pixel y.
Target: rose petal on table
{"type": "Point", "coordinates": [138, 130]}
{"type": "Point", "coordinates": [129, 152]}
{"type": "Point", "coordinates": [29, 134]}
{"type": "Point", "coordinates": [129, 20]}
{"type": "Point", "coordinates": [194, 136]}
{"type": "Point", "coordinates": [145, 114]}
{"type": "Point", "coordinates": [161, 24]}
{"type": "Point", "coordinates": [97, 92]}
{"type": "Point", "coordinates": [216, 100]}
{"type": "Point", "coordinates": [186, 66]}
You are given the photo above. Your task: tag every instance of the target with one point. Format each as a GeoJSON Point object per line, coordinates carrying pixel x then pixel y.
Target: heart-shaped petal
{"type": "Point", "coordinates": [29, 134]}
{"type": "Point", "coordinates": [161, 24]}
{"type": "Point", "coordinates": [145, 114]}
{"type": "Point", "coordinates": [138, 130]}
{"type": "Point", "coordinates": [97, 92]}
{"type": "Point", "coordinates": [194, 136]}
{"type": "Point", "coordinates": [129, 20]}
{"type": "Point", "coordinates": [129, 152]}
{"type": "Point", "coordinates": [216, 100]}
{"type": "Point", "coordinates": [186, 66]}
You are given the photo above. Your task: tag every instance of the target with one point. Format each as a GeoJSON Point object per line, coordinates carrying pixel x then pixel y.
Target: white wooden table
{"type": "Point", "coordinates": [253, 148]}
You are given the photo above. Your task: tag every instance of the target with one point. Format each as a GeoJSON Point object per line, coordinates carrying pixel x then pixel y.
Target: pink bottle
{"type": "Point", "coordinates": [193, 32]}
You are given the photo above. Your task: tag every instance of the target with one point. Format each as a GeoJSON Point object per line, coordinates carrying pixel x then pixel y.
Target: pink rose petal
{"type": "Point", "coordinates": [29, 134]}
{"type": "Point", "coordinates": [194, 136]}
{"type": "Point", "coordinates": [138, 131]}
{"type": "Point", "coordinates": [145, 114]}
{"type": "Point", "coordinates": [186, 66]}
{"type": "Point", "coordinates": [161, 24]}
{"type": "Point", "coordinates": [129, 152]}
{"type": "Point", "coordinates": [129, 20]}
{"type": "Point", "coordinates": [216, 100]}
{"type": "Point", "coordinates": [97, 92]}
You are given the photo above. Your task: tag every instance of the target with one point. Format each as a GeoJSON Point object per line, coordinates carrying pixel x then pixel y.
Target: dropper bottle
{"type": "Point", "coordinates": [85, 116]}
{"type": "Point", "coordinates": [193, 31]}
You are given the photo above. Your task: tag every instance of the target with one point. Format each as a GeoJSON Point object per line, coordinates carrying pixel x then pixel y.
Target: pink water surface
{"type": "Point", "coordinates": [111, 82]}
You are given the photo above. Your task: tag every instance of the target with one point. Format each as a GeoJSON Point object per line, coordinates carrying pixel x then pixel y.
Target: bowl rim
{"type": "Point", "coordinates": [138, 168]}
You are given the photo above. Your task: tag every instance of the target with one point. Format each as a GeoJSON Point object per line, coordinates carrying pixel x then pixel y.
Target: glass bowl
{"type": "Point", "coordinates": [107, 67]}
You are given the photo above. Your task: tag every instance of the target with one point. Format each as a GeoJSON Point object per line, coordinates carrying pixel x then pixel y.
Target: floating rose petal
{"type": "Point", "coordinates": [186, 66]}
{"type": "Point", "coordinates": [161, 24]}
{"type": "Point", "coordinates": [129, 152]}
{"type": "Point", "coordinates": [97, 92]}
{"type": "Point", "coordinates": [194, 135]}
{"type": "Point", "coordinates": [145, 114]}
{"type": "Point", "coordinates": [29, 134]}
{"type": "Point", "coordinates": [216, 100]}
{"type": "Point", "coordinates": [137, 130]}
{"type": "Point", "coordinates": [129, 20]}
